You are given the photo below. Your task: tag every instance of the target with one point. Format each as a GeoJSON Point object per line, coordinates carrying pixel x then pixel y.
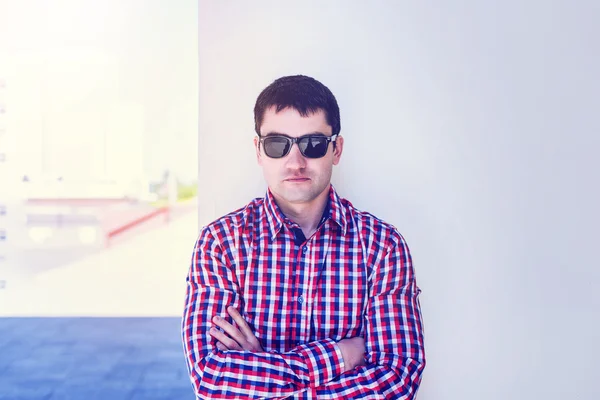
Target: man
{"type": "Point", "coordinates": [299, 294]}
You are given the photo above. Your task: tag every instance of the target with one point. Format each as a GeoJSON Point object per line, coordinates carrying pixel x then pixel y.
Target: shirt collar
{"type": "Point", "coordinates": [337, 211]}
{"type": "Point", "coordinates": [274, 215]}
{"type": "Point", "coordinates": [334, 210]}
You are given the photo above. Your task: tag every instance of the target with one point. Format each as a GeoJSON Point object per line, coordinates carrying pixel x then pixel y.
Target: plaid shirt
{"type": "Point", "coordinates": [300, 296]}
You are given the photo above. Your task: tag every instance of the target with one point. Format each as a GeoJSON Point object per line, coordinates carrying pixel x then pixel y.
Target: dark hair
{"type": "Point", "coordinates": [302, 93]}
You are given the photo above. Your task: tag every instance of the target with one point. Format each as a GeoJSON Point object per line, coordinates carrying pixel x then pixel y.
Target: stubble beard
{"type": "Point", "coordinates": [305, 193]}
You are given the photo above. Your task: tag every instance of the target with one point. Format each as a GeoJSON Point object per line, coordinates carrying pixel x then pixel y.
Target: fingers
{"type": "Point", "coordinates": [233, 338]}
{"type": "Point", "coordinates": [223, 340]}
{"type": "Point", "coordinates": [240, 321]}
{"type": "Point", "coordinates": [251, 342]}
{"type": "Point", "coordinates": [233, 332]}
{"type": "Point", "coordinates": [222, 347]}
{"type": "Point", "coordinates": [237, 317]}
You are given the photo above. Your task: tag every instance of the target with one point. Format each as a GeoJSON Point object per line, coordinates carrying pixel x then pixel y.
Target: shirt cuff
{"type": "Point", "coordinates": [324, 360]}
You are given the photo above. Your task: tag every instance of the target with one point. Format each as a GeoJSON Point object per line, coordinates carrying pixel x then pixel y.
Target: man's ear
{"type": "Point", "coordinates": [338, 149]}
{"type": "Point", "coordinates": [257, 149]}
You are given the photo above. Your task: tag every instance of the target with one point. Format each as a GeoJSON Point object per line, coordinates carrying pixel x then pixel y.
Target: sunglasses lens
{"type": "Point", "coordinates": [277, 146]}
{"type": "Point", "coordinates": [313, 146]}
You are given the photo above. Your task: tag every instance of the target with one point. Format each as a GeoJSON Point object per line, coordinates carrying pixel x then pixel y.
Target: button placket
{"type": "Point", "coordinates": [301, 299]}
{"type": "Point", "coordinates": [301, 306]}
{"type": "Point", "coordinates": [298, 277]}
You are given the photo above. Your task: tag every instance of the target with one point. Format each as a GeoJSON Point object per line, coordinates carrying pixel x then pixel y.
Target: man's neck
{"type": "Point", "coordinates": [307, 215]}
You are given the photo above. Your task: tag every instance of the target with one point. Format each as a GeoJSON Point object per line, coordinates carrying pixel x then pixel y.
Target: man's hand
{"type": "Point", "coordinates": [353, 351]}
{"type": "Point", "coordinates": [234, 339]}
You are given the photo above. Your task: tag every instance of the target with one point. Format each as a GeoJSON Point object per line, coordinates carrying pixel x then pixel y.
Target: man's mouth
{"type": "Point", "coordinates": [297, 179]}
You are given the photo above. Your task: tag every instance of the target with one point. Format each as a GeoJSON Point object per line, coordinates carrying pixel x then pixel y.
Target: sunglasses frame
{"type": "Point", "coordinates": [296, 140]}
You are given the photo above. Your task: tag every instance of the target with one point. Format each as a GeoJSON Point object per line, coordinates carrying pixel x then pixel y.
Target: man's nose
{"type": "Point", "coordinates": [295, 159]}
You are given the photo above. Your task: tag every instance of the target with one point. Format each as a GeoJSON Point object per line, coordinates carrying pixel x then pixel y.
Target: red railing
{"type": "Point", "coordinates": [138, 221]}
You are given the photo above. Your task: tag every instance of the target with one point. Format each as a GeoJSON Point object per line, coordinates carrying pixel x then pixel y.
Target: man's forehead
{"type": "Point", "coordinates": [289, 121]}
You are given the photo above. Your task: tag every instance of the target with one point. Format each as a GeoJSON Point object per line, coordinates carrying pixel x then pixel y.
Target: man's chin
{"type": "Point", "coordinates": [297, 196]}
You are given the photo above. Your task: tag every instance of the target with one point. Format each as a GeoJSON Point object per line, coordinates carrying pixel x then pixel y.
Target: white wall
{"type": "Point", "coordinates": [471, 126]}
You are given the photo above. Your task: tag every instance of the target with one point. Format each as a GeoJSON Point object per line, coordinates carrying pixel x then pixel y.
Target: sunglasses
{"type": "Point", "coordinates": [311, 146]}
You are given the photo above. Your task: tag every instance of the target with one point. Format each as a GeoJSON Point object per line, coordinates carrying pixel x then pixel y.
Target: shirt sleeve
{"type": "Point", "coordinates": [212, 286]}
{"type": "Point", "coordinates": [395, 356]}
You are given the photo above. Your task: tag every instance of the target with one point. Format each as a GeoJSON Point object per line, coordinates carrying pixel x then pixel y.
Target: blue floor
{"type": "Point", "coordinates": [92, 359]}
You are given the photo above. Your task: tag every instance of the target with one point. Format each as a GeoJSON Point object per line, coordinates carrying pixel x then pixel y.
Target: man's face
{"type": "Point", "coordinates": [295, 178]}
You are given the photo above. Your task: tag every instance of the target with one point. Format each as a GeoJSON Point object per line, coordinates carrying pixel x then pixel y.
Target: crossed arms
{"type": "Point", "coordinates": [241, 338]}
{"type": "Point", "coordinates": [387, 362]}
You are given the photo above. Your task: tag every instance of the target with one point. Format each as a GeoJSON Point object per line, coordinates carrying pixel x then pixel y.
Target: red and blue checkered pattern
{"type": "Point", "coordinates": [353, 277]}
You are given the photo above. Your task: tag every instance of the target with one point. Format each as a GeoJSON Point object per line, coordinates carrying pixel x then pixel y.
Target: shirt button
{"type": "Point", "coordinates": [304, 249]}
{"type": "Point", "coordinates": [300, 299]}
